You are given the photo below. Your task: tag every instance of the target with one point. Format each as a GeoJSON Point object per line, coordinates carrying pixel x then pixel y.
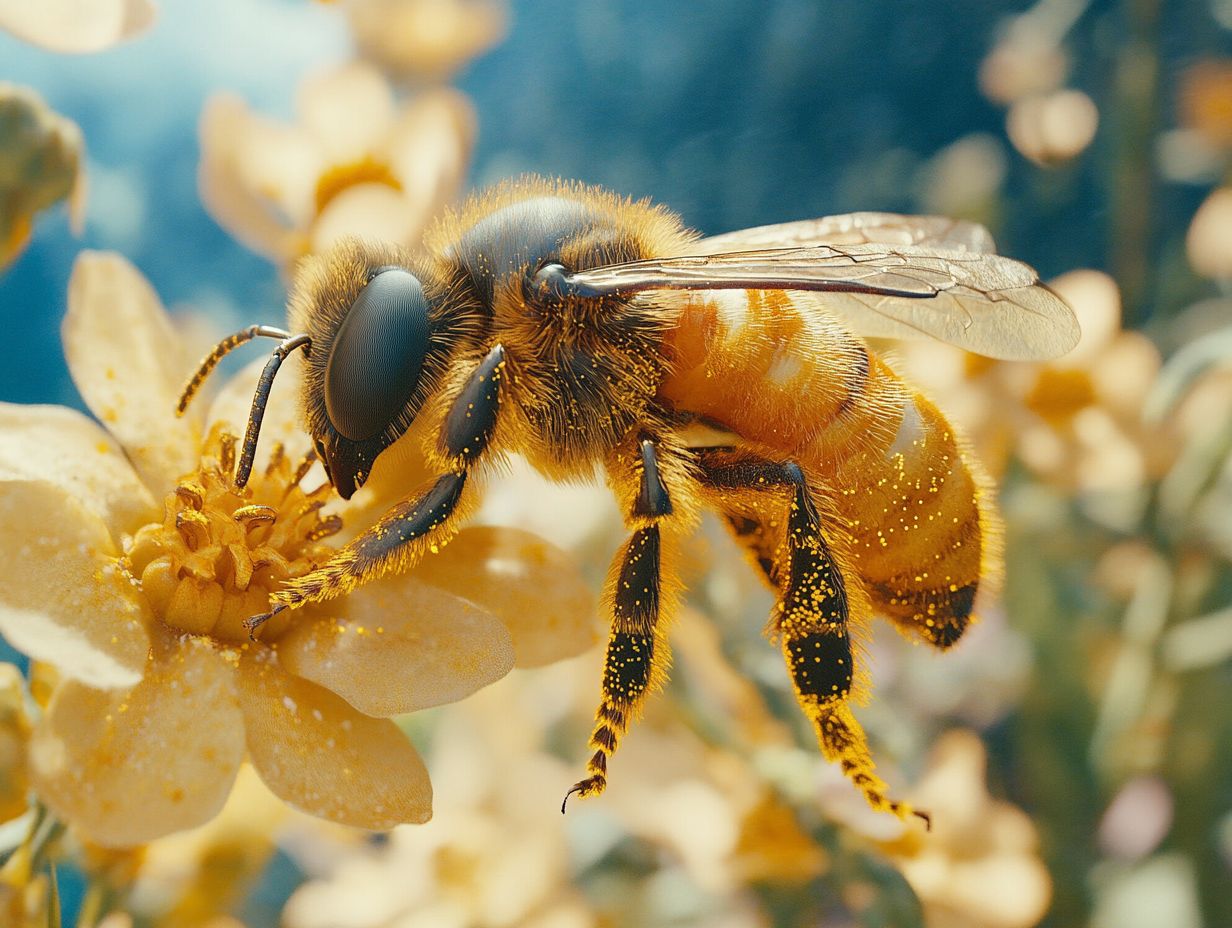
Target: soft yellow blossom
{"type": "Point", "coordinates": [130, 562]}
{"type": "Point", "coordinates": [1076, 421]}
{"type": "Point", "coordinates": [979, 866]}
{"type": "Point", "coordinates": [41, 163]}
{"type": "Point", "coordinates": [14, 735]}
{"type": "Point", "coordinates": [1028, 59]}
{"type": "Point", "coordinates": [1205, 101]}
{"type": "Point", "coordinates": [426, 39]}
{"type": "Point", "coordinates": [1209, 239]}
{"type": "Point", "coordinates": [358, 161]}
{"type": "Point", "coordinates": [1052, 128]}
{"type": "Point", "coordinates": [75, 25]}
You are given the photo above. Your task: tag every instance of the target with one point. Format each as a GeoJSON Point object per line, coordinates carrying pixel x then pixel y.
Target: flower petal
{"type": "Point", "coordinates": [429, 149]}
{"type": "Point", "coordinates": [129, 766]}
{"type": "Point", "coordinates": [528, 583]}
{"type": "Point", "coordinates": [129, 366]}
{"type": "Point", "coordinates": [257, 177]}
{"type": "Point", "coordinates": [374, 211]}
{"type": "Point", "coordinates": [75, 25]}
{"type": "Point", "coordinates": [399, 646]}
{"type": "Point", "coordinates": [347, 109]}
{"type": "Point", "coordinates": [60, 446]}
{"type": "Point", "coordinates": [426, 39]}
{"type": "Point", "coordinates": [321, 756]}
{"type": "Point", "coordinates": [63, 597]}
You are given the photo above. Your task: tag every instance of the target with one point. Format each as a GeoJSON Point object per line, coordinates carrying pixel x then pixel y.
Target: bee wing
{"type": "Point", "coordinates": [984, 303]}
{"type": "Point", "coordinates": [855, 229]}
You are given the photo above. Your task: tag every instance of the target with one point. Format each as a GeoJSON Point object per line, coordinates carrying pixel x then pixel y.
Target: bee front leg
{"type": "Point", "coordinates": [813, 615]}
{"type": "Point", "coordinates": [637, 651]}
{"type": "Point", "coordinates": [419, 523]}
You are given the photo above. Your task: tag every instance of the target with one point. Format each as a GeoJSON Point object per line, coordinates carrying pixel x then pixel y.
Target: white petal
{"type": "Point", "coordinates": [320, 755]}
{"type": "Point", "coordinates": [398, 645]}
{"type": "Point", "coordinates": [257, 178]}
{"type": "Point", "coordinates": [348, 109]}
{"type": "Point", "coordinates": [63, 597]}
{"type": "Point", "coordinates": [128, 766]}
{"type": "Point", "coordinates": [75, 25]}
{"type": "Point", "coordinates": [371, 211]}
{"type": "Point", "coordinates": [60, 446]}
{"type": "Point", "coordinates": [129, 366]}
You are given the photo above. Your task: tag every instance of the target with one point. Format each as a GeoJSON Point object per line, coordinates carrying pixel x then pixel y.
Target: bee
{"type": "Point", "coordinates": [582, 330]}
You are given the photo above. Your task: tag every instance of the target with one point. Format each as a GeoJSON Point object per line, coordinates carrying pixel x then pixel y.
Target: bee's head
{"type": "Point", "coordinates": [380, 339]}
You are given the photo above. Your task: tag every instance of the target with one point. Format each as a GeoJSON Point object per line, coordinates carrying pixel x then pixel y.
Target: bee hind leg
{"type": "Point", "coordinates": [637, 652]}
{"type": "Point", "coordinates": [812, 616]}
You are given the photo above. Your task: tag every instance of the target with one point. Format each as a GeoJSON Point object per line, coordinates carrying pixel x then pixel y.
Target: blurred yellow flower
{"type": "Point", "coordinates": [979, 866]}
{"type": "Point", "coordinates": [1027, 60]}
{"type": "Point", "coordinates": [1209, 240]}
{"type": "Point", "coordinates": [188, 879]}
{"type": "Point", "coordinates": [141, 611]}
{"type": "Point", "coordinates": [41, 162]}
{"type": "Point", "coordinates": [1052, 128]}
{"type": "Point", "coordinates": [1205, 104]}
{"type": "Point", "coordinates": [1075, 421]}
{"type": "Point", "coordinates": [14, 736]}
{"type": "Point", "coordinates": [497, 851]}
{"type": "Point", "coordinates": [358, 162]}
{"type": "Point", "coordinates": [75, 25]}
{"type": "Point", "coordinates": [425, 40]}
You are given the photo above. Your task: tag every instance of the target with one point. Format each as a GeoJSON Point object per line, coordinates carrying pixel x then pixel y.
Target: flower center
{"type": "Point", "coordinates": [220, 551]}
{"type": "Point", "coordinates": [340, 177]}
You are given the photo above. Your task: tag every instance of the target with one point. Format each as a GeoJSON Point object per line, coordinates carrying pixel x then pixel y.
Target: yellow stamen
{"type": "Point", "coordinates": [220, 552]}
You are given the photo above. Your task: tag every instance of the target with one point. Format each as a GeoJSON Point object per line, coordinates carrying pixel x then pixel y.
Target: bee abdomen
{"type": "Point", "coordinates": [773, 368]}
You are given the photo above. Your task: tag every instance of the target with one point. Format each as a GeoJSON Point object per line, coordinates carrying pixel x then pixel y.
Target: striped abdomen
{"type": "Point", "coordinates": [777, 370]}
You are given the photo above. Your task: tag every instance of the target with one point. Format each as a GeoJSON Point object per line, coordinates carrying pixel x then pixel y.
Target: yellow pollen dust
{"type": "Point", "coordinates": [220, 551]}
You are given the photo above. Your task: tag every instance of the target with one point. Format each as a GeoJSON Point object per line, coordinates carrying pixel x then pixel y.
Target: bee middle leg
{"type": "Point", "coordinates": [637, 653]}
{"type": "Point", "coordinates": [812, 616]}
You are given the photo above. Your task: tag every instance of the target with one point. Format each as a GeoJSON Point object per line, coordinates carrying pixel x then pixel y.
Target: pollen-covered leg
{"type": "Point", "coordinates": [813, 615]}
{"type": "Point", "coordinates": [812, 619]}
{"type": "Point", "coordinates": [419, 523]}
{"type": "Point", "coordinates": [637, 653]}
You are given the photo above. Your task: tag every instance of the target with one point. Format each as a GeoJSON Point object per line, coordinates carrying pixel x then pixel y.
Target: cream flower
{"type": "Point", "coordinates": [426, 39]}
{"type": "Point", "coordinates": [358, 162]}
{"type": "Point", "coordinates": [140, 606]}
{"type": "Point", "coordinates": [1075, 421]}
{"type": "Point", "coordinates": [14, 735]}
{"type": "Point", "coordinates": [980, 865]}
{"type": "Point", "coordinates": [41, 163]}
{"type": "Point", "coordinates": [75, 25]}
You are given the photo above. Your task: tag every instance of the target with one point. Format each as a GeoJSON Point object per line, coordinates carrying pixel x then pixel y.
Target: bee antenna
{"type": "Point", "coordinates": [221, 350]}
{"type": "Point", "coordinates": [260, 398]}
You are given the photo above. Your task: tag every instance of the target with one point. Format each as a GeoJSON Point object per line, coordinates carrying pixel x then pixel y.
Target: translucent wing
{"type": "Point", "coordinates": [982, 302]}
{"type": "Point", "coordinates": [855, 229]}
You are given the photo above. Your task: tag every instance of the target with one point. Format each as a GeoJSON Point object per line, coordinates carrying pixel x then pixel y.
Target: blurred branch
{"type": "Point", "coordinates": [1133, 196]}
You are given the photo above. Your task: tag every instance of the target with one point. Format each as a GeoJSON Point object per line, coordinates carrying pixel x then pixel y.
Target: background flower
{"type": "Point", "coordinates": [76, 26]}
{"type": "Point", "coordinates": [358, 162]}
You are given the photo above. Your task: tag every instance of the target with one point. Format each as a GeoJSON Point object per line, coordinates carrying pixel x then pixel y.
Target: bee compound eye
{"type": "Point", "coordinates": [378, 355]}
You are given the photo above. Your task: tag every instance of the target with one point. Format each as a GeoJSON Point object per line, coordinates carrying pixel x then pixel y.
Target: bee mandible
{"type": "Point", "coordinates": [579, 328]}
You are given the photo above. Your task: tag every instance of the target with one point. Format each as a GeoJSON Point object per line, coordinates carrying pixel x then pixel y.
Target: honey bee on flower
{"type": "Point", "coordinates": [131, 559]}
{"type": "Point", "coordinates": [582, 329]}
